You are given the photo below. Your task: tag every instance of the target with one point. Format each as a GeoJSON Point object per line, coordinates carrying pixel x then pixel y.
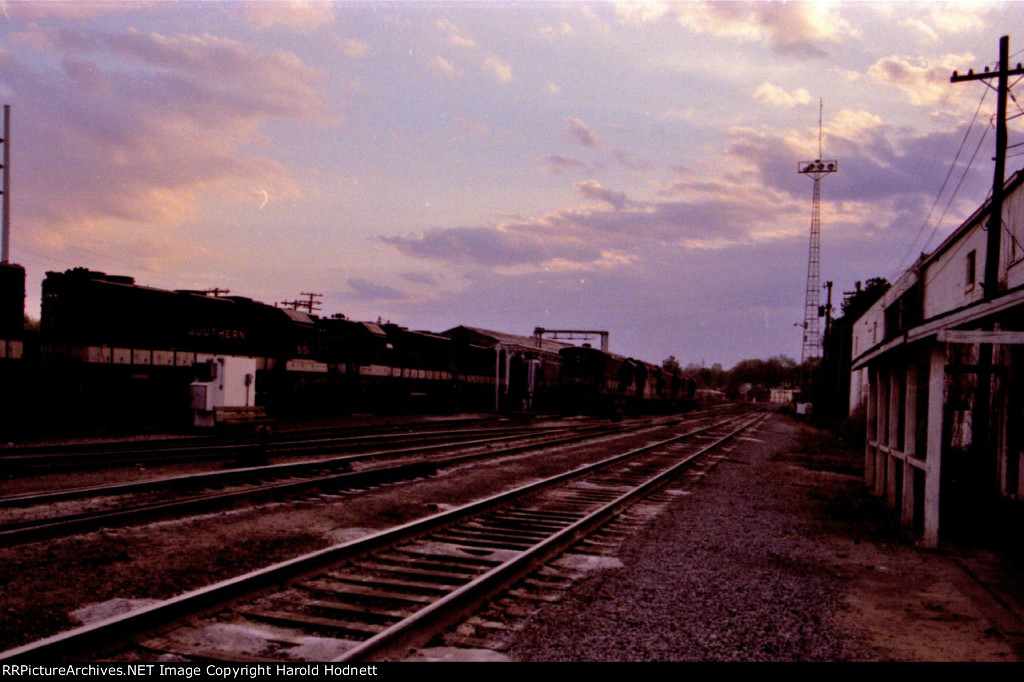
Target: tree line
{"type": "Point", "coordinates": [782, 371]}
{"type": "Point", "coordinates": [773, 372]}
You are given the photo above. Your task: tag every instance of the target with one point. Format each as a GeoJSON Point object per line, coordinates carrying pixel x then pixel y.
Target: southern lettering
{"type": "Point", "coordinates": [217, 333]}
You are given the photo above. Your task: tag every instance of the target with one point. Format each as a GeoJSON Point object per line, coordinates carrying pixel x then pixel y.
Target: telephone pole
{"type": "Point", "coordinates": [5, 219]}
{"type": "Point", "coordinates": [311, 304]}
{"type": "Point", "coordinates": [986, 478]}
{"type": "Point", "coordinates": [827, 310]}
{"type": "Point", "coordinates": [995, 220]}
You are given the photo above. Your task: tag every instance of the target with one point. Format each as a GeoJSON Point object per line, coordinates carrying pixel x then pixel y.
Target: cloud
{"type": "Point", "coordinates": [672, 301]}
{"type": "Point", "coordinates": [629, 161]}
{"type": "Point", "coordinates": [744, 197]}
{"type": "Point", "coordinates": [497, 69]}
{"type": "Point", "coordinates": [887, 176]}
{"type": "Point", "coordinates": [442, 67]}
{"type": "Point", "coordinates": [559, 164]}
{"type": "Point", "coordinates": [593, 190]}
{"type": "Point", "coordinates": [491, 65]}
{"type": "Point", "coordinates": [351, 48]}
{"type": "Point", "coordinates": [583, 134]}
{"type": "Point", "coordinates": [419, 278]}
{"type": "Point", "coordinates": [708, 216]}
{"type": "Point", "coordinates": [224, 71]}
{"type": "Point", "coordinates": [454, 35]}
{"type": "Point", "coordinates": [851, 124]}
{"type": "Point", "coordinates": [925, 82]}
{"type": "Point", "coordinates": [469, 245]}
{"type": "Point", "coordinates": [368, 291]}
{"type": "Point", "coordinates": [776, 96]}
{"type": "Point", "coordinates": [297, 15]}
{"type": "Point", "coordinates": [562, 29]}
{"type": "Point", "coordinates": [642, 12]}
{"type": "Point", "coordinates": [67, 11]}
{"type": "Point", "coordinates": [936, 21]}
{"type": "Point", "coordinates": [796, 29]}
{"type": "Point", "coordinates": [159, 122]}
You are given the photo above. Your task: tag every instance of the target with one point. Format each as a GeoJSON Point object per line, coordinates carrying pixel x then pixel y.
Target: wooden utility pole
{"type": "Point", "coordinates": [995, 223]}
{"type": "Point", "coordinates": [5, 220]}
{"type": "Point", "coordinates": [827, 308]}
{"type": "Point", "coordinates": [310, 304]}
{"type": "Point", "coordinates": [983, 444]}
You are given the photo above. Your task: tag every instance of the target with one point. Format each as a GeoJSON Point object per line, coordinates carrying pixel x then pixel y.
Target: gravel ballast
{"type": "Point", "coordinates": [769, 559]}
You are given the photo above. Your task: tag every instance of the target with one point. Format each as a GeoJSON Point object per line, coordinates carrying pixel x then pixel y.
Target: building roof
{"type": "Point", "coordinates": [490, 338]}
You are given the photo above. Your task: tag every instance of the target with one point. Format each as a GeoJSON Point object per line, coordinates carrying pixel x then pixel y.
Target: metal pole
{"type": "Point", "coordinates": [5, 233]}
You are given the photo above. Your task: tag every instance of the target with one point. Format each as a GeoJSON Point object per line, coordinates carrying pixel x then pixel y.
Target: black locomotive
{"type": "Point", "coordinates": [111, 351]}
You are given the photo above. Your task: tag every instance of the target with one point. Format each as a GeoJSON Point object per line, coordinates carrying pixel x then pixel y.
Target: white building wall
{"type": "Point", "coordinates": [946, 280]}
{"type": "Point", "coordinates": [1012, 248]}
{"type": "Point", "coordinates": [905, 380]}
{"type": "Point", "coordinates": [858, 390]}
{"type": "Point", "coordinates": [868, 331]}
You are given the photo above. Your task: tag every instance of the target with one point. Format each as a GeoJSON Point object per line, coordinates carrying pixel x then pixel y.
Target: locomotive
{"type": "Point", "coordinates": [112, 351]}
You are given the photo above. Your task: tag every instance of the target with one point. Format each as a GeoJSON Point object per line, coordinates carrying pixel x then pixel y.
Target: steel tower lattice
{"type": "Point", "coordinates": [817, 169]}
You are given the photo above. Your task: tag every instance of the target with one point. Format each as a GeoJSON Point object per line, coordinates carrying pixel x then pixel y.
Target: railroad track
{"type": "Point", "coordinates": [81, 456]}
{"type": "Point", "coordinates": [39, 515]}
{"type": "Point", "coordinates": [375, 597]}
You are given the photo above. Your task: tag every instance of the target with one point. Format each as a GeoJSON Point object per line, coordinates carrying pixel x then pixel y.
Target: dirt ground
{"type": "Point", "coordinates": [954, 603]}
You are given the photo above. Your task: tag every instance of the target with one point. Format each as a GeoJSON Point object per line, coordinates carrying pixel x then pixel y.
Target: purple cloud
{"type": "Point", "coordinates": [583, 134]}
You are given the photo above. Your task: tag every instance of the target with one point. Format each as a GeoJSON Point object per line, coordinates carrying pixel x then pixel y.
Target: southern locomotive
{"type": "Point", "coordinates": [111, 351]}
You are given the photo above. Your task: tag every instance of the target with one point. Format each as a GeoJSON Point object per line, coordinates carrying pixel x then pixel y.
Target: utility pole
{"type": "Point", "coordinates": [827, 309]}
{"type": "Point", "coordinates": [5, 230]}
{"type": "Point", "coordinates": [986, 482]}
{"type": "Point", "coordinates": [310, 304]}
{"type": "Point", "coordinates": [995, 221]}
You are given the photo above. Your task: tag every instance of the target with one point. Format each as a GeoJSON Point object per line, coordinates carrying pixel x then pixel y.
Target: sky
{"type": "Point", "coordinates": [629, 167]}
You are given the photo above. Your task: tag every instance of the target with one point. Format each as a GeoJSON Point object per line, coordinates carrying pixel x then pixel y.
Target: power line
{"type": "Point", "coordinates": [959, 184]}
{"type": "Point", "coordinates": [949, 173]}
{"type": "Point", "coordinates": [995, 229]}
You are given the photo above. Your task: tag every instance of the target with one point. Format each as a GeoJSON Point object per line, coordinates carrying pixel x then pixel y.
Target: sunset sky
{"type": "Point", "coordinates": [620, 166]}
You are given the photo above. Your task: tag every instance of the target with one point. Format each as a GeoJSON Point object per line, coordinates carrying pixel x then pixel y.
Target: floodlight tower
{"type": "Point", "coordinates": [816, 169]}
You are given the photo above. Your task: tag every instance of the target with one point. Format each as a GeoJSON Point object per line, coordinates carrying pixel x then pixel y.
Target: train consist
{"type": "Point", "coordinates": [109, 350]}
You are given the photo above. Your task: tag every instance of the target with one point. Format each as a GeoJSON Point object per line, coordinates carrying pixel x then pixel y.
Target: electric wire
{"type": "Point", "coordinates": [956, 190]}
{"type": "Point", "coordinates": [938, 195]}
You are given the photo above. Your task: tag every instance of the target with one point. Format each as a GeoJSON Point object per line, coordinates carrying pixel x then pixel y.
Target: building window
{"type": "Point", "coordinates": [972, 269]}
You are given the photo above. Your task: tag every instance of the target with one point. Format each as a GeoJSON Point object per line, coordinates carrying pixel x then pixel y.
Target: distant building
{"type": "Point", "coordinates": [939, 371]}
{"type": "Point", "coordinates": [782, 396]}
